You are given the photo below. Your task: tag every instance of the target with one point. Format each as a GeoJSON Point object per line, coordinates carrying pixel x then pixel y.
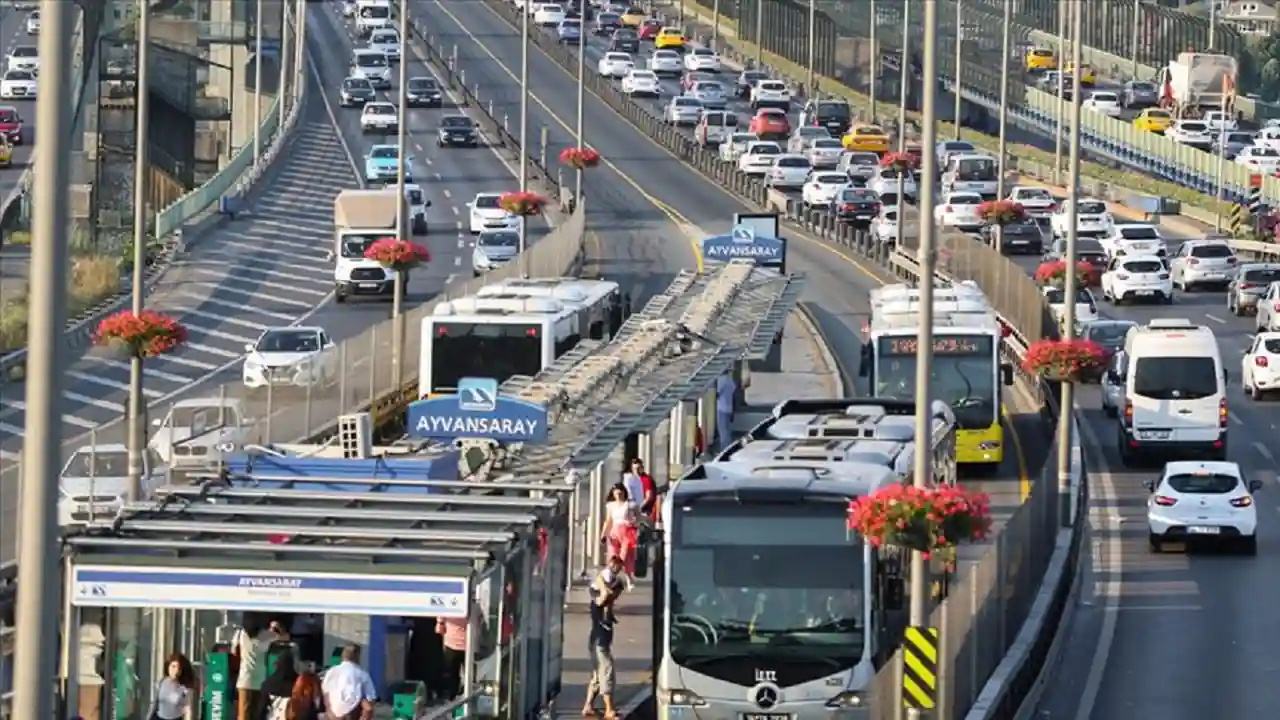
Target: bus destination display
{"type": "Point", "coordinates": [944, 345]}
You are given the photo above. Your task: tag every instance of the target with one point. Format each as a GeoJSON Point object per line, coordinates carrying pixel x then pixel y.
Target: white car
{"type": "Point", "coordinates": [803, 135]}
{"type": "Point", "coordinates": [758, 157]}
{"type": "Point", "coordinates": [641, 82]}
{"type": "Point", "coordinates": [1267, 317]}
{"type": "Point", "coordinates": [1260, 159]}
{"type": "Point", "coordinates": [373, 66]}
{"type": "Point", "coordinates": [94, 482]}
{"type": "Point", "coordinates": [1086, 306]}
{"type": "Point", "coordinates": [18, 85]}
{"type": "Point", "coordinates": [487, 214]}
{"type": "Point", "coordinates": [1260, 368]}
{"type": "Point", "coordinates": [615, 65]}
{"type": "Point", "coordinates": [822, 187]}
{"type": "Point", "coordinates": [770, 93]}
{"type": "Point", "coordinates": [296, 356]}
{"type": "Point", "coordinates": [1107, 103]}
{"type": "Point", "coordinates": [701, 60]}
{"type": "Point", "coordinates": [885, 227]}
{"type": "Point", "coordinates": [1137, 277]}
{"type": "Point", "coordinates": [1131, 239]}
{"type": "Point", "coordinates": [386, 42]}
{"type": "Point", "coordinates": [736, 145]}
{"type": "Point", "coordinates": [788, 172]}
{"type": "Point", "coordinates": [825, 152]}
{"type": "Point", "coordinates": [683, 111]}
{"type": "Point", "coordinates": [1192, 133]}
{"type": "Point", "coordinates": [1036, 201]}
{"type": "Point", "coordinates": [1219, 122]}
{"type": "Point", "coordinates": [548, 15]}
{"type": "Point", "coordinates": [1203, 501]}
{"type": "Point", "coordinates": [23, 57]}
{"type": "Point", "coordinates": [1092, 219]}
{"type": "Point", "coordinates": [959, 210]}
{"type": "Point", "coordinates": [379, 117]}
{"type": "Point", "coordinates": [885, 182]}
{"type": "Point", "coordinates": [33, 23]}
{"type": "Point", "coordinates": [1203, 262]}
{"type": "Point", "coordinates": [665, 62]}
{"type": "Point", "coordinates": [859, 164]}
{"type": "Point", "coordinates": [418, 204]}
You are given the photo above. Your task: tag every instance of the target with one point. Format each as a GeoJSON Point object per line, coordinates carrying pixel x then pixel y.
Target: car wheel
{"type": "Point", "coordinates": [1254, 393]}
{"type": "Point", "coordinates": [1153, 542]}
{"type": "Point", "coordinates": [1249, 545]}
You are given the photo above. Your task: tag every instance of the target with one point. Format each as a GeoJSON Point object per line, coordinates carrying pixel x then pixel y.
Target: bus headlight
{"type": "Point", "coordinates": [684, 698]}
{"type": "Point", "coordinates": [847, 699]}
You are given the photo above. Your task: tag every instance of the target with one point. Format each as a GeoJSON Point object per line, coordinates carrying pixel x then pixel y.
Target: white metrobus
{"type": "Point", "coordinates": [770, 607]}
{"type": "Point", "coordinates": [517, 326]}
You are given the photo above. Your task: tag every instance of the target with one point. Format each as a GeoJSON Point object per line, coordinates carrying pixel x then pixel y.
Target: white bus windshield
{"type": "Point", "coordinates": [964, 374]}
{"type": "Point", "coordinates": [488, 350]}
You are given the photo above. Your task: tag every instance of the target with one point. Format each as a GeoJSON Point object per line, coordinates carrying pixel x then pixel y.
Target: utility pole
{"type": "Point", "coordinates": [257, 77]}
{"type": "Point", "coordinates": [39, 558]}
{"type": "Point", "coordinates": [1060, 129]}
{"type": "Point", "coordinates": [137, 406]}
{"type": "Point", "coordinates": [581, 142]}
{"type": "Point", "coordinates": [1004, 96]}
{"type": "Point", "coordinates": [1069, 306]}
{"type": "Point", "coordinates": [921, 476]}
{"type": "Point", "coordinates": [955, 90]}
{"type": "Point", "coordinates": [283, 60]}
{"type": "Point", "coordinates": [904, 61]}
{"type": "Point", "coordinates": [402, 170]}
{"type": "Point", "coordinates": [875, 60]}
{"type": "Point", "coordinates": [524, 131]}
{"type": "Point", "coordinates": [1133, 40]}
{"type": "Point", "coordinates": [813, 44]}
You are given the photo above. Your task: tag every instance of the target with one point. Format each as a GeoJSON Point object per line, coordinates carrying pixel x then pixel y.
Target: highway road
{"type": "Point", "coordinates": [13, 32]}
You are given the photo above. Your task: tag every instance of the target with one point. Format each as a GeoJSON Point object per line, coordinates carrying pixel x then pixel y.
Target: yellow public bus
{"type": "Point", "coordinates": [966, 372]}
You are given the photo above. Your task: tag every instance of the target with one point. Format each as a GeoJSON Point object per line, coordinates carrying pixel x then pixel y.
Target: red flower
{"type": "Point", "coordinates": [580, 158]}
{"type": "Point", "coordinates": [1063, 359]}
{"type": "Point", "coordinates": [940, 516]}
{"type": "Point", "coordinates": [146, 334]}
{"type": "Point", "coordinates": [1001, 212]}
{"type": "Point", "coordinates": [900, 161]}
{"type": "Point", "coordinates": [395, 254]}
{"type": "Point", "coordinates": [1054, 273]}
{"type": "Point", "coordinates": [522, 203]}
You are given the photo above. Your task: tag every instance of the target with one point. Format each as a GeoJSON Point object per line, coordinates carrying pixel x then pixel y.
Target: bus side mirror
{"type": "Point", "coordinates": [1006, 373]}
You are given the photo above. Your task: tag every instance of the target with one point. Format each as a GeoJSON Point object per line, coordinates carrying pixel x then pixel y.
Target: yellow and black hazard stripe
{"type": "Point", "coordinates": [1237, 222]}
{"type": "Point", "coordinates": [920, 668]}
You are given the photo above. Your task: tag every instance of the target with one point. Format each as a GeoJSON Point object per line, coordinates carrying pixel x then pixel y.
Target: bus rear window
{"type": "Point", "coordinates": [496, 351]}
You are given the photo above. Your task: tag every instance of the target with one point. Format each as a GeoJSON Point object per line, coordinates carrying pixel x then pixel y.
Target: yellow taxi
{"type": "Point", "coordinates": [6, 152]}
{"type": "Point", "coordinates": [1153, 120]}
{"type": "Point", "coordinates": [1088, 75]}
{"type": "Point", "coordinates": [866, 138]}
{"type": "Point", "coordinates": [668, 38]}
{"type": "Point", "coordinates": [1039, 59]}
{"type": "Point", "coordinates": [633, 17]}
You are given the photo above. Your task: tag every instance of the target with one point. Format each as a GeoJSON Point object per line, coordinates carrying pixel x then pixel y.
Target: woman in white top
{"type": "Point", "coordinates": [175, 694]}
{"type": "Point", "coordinates": [620, 529]}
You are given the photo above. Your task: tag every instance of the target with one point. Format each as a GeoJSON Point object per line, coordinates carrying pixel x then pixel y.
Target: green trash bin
{"type": "Point", "coordinates": [408, 699]}
{"type": "Point", "coordinates": [219, 687]}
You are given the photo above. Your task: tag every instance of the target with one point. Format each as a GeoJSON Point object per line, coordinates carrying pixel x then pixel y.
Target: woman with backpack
{"type": "Point", "coordinates": [277, 689]}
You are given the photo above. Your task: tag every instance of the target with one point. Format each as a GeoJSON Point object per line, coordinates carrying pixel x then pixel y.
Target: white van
{"type": "Point", "coordinates": [372, 15]}
{"type": "Point", "coordinates": [1175, 393]}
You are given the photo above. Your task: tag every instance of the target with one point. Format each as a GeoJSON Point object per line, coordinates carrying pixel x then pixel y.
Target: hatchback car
{"type": "Point", "coordinates": [1203, 262]}
{"type": "Point", "coordinates": [1203, 502]}
{"type": "Point", "coordinates": [1248, 285]}
{"type": "Point", "coordinates": [494, 249]}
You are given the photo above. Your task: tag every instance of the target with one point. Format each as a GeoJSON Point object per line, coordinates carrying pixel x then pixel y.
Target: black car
{"type": "Point", "coordinates": [834, 115]}
{"type": "Point", "coordinates": [855, 205]}
{"type": "Point", "coordinates": [625, 40]}
{"type": "Point", "coordinates": [423, 92]}
{"type": "Point", "coordinates": [357, 91]}
{"type": "Point", "coordinates": [1020, 238]}
{"type": "Point", "coordinates": [607, 23]}
{"type": "Point", "coordinates": [457, 131]}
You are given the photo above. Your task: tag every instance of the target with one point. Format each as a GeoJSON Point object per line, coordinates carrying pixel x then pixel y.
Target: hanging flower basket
{"type": "Point", "coordinates": [579, 158]}
{"type": "Point", "coordinates": [900, 162]}
{"type": "Point", "coordinates": [1064, 360]}
{"type": "Point", "coordinates": [924, 519]}
{"type": "Point", "coordinates": [146, 334]}
{"type": "Point", "coordinates": [395, 254]}
{"type": "Point", "coordinates": [1001, 212]}
{"type": "Point", "coordinates": [523, 204]}
{"type": "Point", "coordinates": [1054, 273]}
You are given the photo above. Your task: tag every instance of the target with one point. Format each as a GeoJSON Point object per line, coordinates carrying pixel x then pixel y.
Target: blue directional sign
{"type": "Point", "coordinates": [744, 242]}
{"type": "Point", "coordinates": [478, 411]}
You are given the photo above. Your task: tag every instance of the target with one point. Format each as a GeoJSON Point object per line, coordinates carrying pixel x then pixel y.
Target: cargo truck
{"type": "Point", "coordinates": [1195, 83]}
{"type": "Point", "coordinates": [361, 218]}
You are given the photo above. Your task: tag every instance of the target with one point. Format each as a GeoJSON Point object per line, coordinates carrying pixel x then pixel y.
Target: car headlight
{"type": "Point", "coordinates": [847, 699]}
{"type": "Point", "coordinates": [302, 366]}
{"type": "Point", "coordinates": [685, 698]}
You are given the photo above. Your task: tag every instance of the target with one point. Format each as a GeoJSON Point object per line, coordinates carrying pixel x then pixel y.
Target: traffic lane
{"type": "Point", "coordinates": [837, 282]}
{"type": "Point", "coordinates": [641, 245]}
{"type": "Point", "coordinates": [1183, 635]}
{"type": "Point", "coordinates": [13, 32]}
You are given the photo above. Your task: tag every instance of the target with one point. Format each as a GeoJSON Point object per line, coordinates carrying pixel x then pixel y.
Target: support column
{"type": "Point", "coordinates": [595, 500]}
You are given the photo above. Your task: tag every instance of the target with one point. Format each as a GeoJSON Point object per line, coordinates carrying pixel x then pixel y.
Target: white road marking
{"type": "Point", "coordinates": [1216, 319]}
{"type": "Point", "coordinates": [220, 287]}
{"type": "Point", "coordinates": [1264, 452]}
{"type": "Point", "coordinates": [148, 369]}
{"type": "Point", "coordinates": [214, 351]}
{"type": "Point", "coordinates": [113, 384]}
{"type": "Point", "coordinates": [208, 300]}
{"type": "Point", "coordinates": [96, 402]}
{"type": "Point", "coordinates": [224, 318]}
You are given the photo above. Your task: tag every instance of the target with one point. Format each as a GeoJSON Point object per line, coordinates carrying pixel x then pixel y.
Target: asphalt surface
{"type": "Point", "coordinates": [13, 31]}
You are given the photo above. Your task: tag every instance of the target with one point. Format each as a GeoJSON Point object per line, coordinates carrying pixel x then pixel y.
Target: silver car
{"type": "Point", "coordinates": [683, 111]}
{"type": "Point", "coordinates": [1203, 262]}
{"type": "Point", "coordinates": [1249, 284]}
{"type": "Point", "coordinates": [494, 249]}
{"type": "Point", "coordinates": [825, 152]}
{"type": "Point", "coordinates": [710, 94]}
{"type": "Point", "coordinates": [859, 164]}
{"type": "Point", "coordinates": [800, 139]}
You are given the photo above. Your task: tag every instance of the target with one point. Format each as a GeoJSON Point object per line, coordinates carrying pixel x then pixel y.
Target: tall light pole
{"type": "Point", "coordinates": [524, 131]}
{"type": "Point", "coordinates": [875, 61]}
{"type": "Point", "coordinates": [813, 42]}
{"type": "Point", "coordinates": [955, 90]}
{"type": "Point", "coordinates": [283, 60]}
{"type": "Point", "coordinates": [921, 476]}
{"type": "Point", "coordinates": [137, 408]}
{"type": "Point", "coordinates": [300, 51]}
{"type": "Point", "coordinates": [1133, 39]}
{"type": "Point", "coordinates": [402, 220]}
{"type": "Point", "coordinates": [1060, 128]}
{"type": "Point", "coordinates": [904, 61]}
{"type": "Point", "coordinates": [1069, 314]}
{"type": "Point", "coordinates": [1004, 95]}
{"type": "Point", "coordinates": [39, 573]}
{"type": "Point", "coordinates": [581, 142]}
{"type": "Point", "coordinates": [257, 81]}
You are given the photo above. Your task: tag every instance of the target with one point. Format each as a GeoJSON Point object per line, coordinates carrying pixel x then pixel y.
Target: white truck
{"type": "Point", "coordinates": [1195, 83]}
{"type": "Point", "coordinates": [361, 218]}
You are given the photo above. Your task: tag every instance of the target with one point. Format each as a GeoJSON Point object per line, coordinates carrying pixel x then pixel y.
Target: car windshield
{"type": "Point", "coordinates": [1034, 194]}
{"type": "Point", "coordinates": [499, 239]}
{"type": "Point", "coordinates": [869, 130]}
{"type": "Point", "coordinates": [1260, 276]}
{"type": "Point", "coordinates": [642, 75]}
{"type": "Point", "coordinates": [486, 202]}
{"type": "Point", "coordinates": [8, 115]}
{"type": "Point", "coordinates": [289, 341]}
{"type": "Point", "coordinates": [1212, 252]}
{"type": "Point", "coordinates": [357, 84]}
{"type": "Point", "coordinates": [709, 87]}
{"type": "Point", "coordinates": [1195, 127]}
{"type": "Point", "coordinates": [1091, 208]}
{"type": "Point", "coordinates": [957, 147]}
{"type": "Point", "coordinates": [1175, 378]}
{"type": "Point", "coordinates": [1056, 296]}
{"type": "Point", "coordinates": [833, 110]}
{"type": "Point", "coordinates": [1142, 87]}
{"type": "Point", "coordinates": [1109, 334]}
{"type": "Point", "coordinates": [666, 55]}
{"type": "Point", "coordinates": [769, 149]}
{"type": "Point", "coordinates": [19, 75]}
{"type": "Point", "coordinates": [864, 159]}
{"type": "Point", "coordinates": [1105, 97]}
{"type": "Point", "coordinates": [570, 23]}
{"type": "Point", "coordinates": [964, 200]}
{"type": "Point", "coordinates": [422, 84]}
{"type": "Point", "coordinates": [1239, 138]}
{"type": "Point", "coordinates": [106, 463]}
{"type": "Point", "coordinates": [456, 122]}
{"type": "Point", "coordinates": [1271, 346]}
{"type": "Point", "coordinates": [371, 60]}
{"type": "Point", "coordinates": [609, 19]}
{"type": "Point", "coordinates": [793, 162]}
{"type": "Point", "coordinates": [379, 109]}
{"type": "Point", "coordinates": [1203, 483]}
{"type": "Point", "coordinates": [384, 153]}
{"type": "Point", "coordinates": [1089, 246]}
{"type": "Point", "coordinates": [617, 57]}
{"type": "Point", "coordinates": [376, 11]}
{"type": "Point", "coordinates": [1158, 114]}
{"type": "Point", "coordinates": [25, 51]}
{"type": "Point", "coordinates": [853, 195]}
{"type": "Point", "coordinates": [831, 179]}
{"type": "Point", "coordinates": [353, 246]}
{"type": "Point", "coordinates": [827, 144]}
{"type": "Point", "coordinates": [1143, 266]}
{"type": "Point", "coordinates": [744, 138]}
{"type": "Point", "coordinates": [687, 102]}
{"type": "Point", "coordinates": [383, 37]}
{"type": "Point", "coordinates": [1139, 233]}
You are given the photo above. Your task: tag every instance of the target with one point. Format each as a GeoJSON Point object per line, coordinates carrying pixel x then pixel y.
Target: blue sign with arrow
{"type": "Point", "coordinates": [477, 411]}
{"type": "Point", "coordinates": [743, 242]}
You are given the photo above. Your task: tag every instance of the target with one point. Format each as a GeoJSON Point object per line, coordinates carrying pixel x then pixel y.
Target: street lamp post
{"type": "Point", "coordinates": [581, 143]}
{"type": "Point", "coordinates": [903, 61]}
{"type": "Point", "coordinates": [813, 43]}
{"type": "Point", "coordinates": [955, 89]}
{"type": "Point", "coordinates": [1004, 96]}
{"type": "Point", "coordinates": [142, 105]}
{"type": "Point", "coordinates": [524, 131]}
{"type": "Point", "coordinates": [1072, 281]}
{"type": "Point", "coordinates": [257, 78]}
{"type": "Point", "coordinates": [875, 61]}
{"type": "Point", "coordinates": [1060, 126]}
{"type": "Point", "coordinates": [402, 219]}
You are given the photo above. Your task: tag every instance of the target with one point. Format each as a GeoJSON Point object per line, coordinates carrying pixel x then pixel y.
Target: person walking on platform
{"type": "Point", "coordinates": [620, 529]}
{"type": "Point", "coordinates": [304, 701]}
{"type": "Point", "coordinates": [348, 690]}
{"type": "Point", "coordinates": [607, 587]}
{"type": "Point", "coordinates": [453, 632]}
{"type": "Point", "coordinates": [249, 646]}
{"type": "Point", "coordinates": [726, 396]}
{"type": "Point", "coordinates": [175, 693]}
{"type": "Point", "coordinates": [277, 689]}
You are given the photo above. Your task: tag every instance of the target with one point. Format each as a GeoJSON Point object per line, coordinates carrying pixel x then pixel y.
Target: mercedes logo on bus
{"type": "Point", "coordinates": [766, 697]}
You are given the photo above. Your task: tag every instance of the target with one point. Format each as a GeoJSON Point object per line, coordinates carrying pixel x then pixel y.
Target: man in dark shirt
{"type": "Point", "coordinates": [600, 643]}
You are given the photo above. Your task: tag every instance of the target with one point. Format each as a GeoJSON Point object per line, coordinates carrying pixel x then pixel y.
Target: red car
{"type": "Point", "coordinates": [11, 124]}
{"type": "Point", "coordinates": [649, 29]}
{"type": "Point", "coordinates": [769, 123]}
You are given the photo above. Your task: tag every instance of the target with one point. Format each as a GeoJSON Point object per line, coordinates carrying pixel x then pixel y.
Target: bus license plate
{"type": "Point", "coordinates": [1203, 530]}
{"type": "Point", "coordinates": [766, 716]}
